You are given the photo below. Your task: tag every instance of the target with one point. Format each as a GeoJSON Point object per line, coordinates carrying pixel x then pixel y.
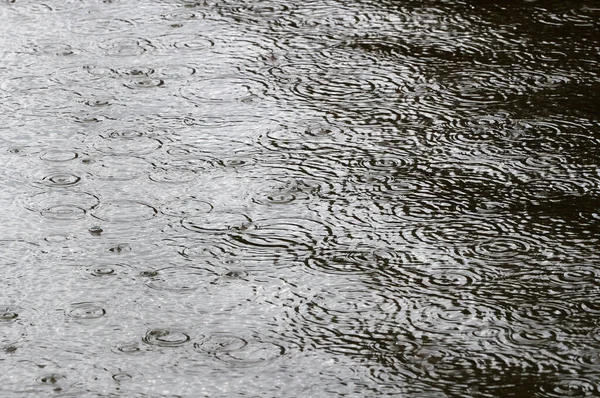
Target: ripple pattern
{"type": "Point", "coordinates": [280, 198]}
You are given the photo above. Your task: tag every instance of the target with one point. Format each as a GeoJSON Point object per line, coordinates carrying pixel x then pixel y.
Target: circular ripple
{"type": "Point", "coordinates": [175, 71]}
{"type": "Point", "coordinates": [60, 179]}
{"type": "Point", "coordinates": [449, 279]}
{"type": "Point", "coordinates": [254, 353]}
{"type": "Point", "coordinates": [468, 89]}
{"type": "Point", "coordinates": [342, 307]}
{"type": "Point", "coordinates": [180, 279]}
{"type": "Point", "coordinates": [174, 174]}
{"type": "Point", "coordinates": [124, 211]}
{"type": "Point", "coordinates": [285, 233]}
{"type": "Point", "coordinates": [125, 145]}
{"type": "Point", "coordinates": [58, 156]}
{"type": "Point", "coordinates": [501, 249]}
{"type": "Point", "coordinates": [451, 317]}
{"type": "Point", "coordinates": [86, 311]}
{"type": "Point", "coordinates": [165, 338]}
{"type": "Point", "coordinates": [576, 278]}
{"type": "Point", "coordinates": [398, 188]}
{"type": "Point", "coordinates": [122, 377]}
{"type": "Point", "coordinates": [220, 343]}
{"type": "Point", "coordinates": [132, 348]}
{"type": "Point", "coordinates": [239, 352]}
{"type": "Point", "coordinates": [421, 210]}
{"type": "Point", "coordinates": [138, 71]}
{"type": "Point", "coordinates": [99, 103]}
{"type": "Point", "coordinates": [279, 197]}
{"type": "Point", "coordinates": [191, 42]}
{"type": "Point", "coordinates": [182, 15]}
{"type": "Point", "coordinates": [313, 136]}
{"type": "Point", "coordinates": [283, 191]}
{"type": "Point", "coordinates": [117, 168]}
{"type": "Point", "coordinates": [489, 332]}
{"type": "Point", "coordinates": [346, 262]}
{"type": "Point", "coordinates": [105, 270]}
{"type": "Point", "coordinates": [186, 207]}
{"type": "Point", "coordinates": [569, 387]}
{"type": "Point", "coordinates": [383, 163]}
{"type": "Point", "coordinates": [533, 337]}
{"type": "Point", "coordinates": [144, 83]}
{"type": "Point", "coordinates": [50, 48]}
{"type": "Point", "coordinates": [223, 89]}
{"type": "Point", "coordinates": [217, 222]}
{"type": "Point", "coordinates": [337, 86]}
{"type": "Point", "coordinates": [125, 46]}
{"type": "Point", "coordinates": [549, 190]}
{"type": "Point", "coordinates": [62, 205]}
{"type": "Point", "coordinates": [100, 26]}
{"type": "Point", "coordinates": [455, 232]}
{"type": "Point", "coordinates": [542, 314]}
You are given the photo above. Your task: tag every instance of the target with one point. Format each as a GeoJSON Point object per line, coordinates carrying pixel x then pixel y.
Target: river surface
{"type": "Point", "coordinates": [325, 198]}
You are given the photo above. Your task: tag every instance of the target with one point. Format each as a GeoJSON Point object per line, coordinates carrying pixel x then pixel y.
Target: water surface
{"type": "Point", "coordinates": [299, 198]}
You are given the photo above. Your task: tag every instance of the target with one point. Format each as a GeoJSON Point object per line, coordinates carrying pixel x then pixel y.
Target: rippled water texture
{"type": "Point", "coordinates": [272, 198]}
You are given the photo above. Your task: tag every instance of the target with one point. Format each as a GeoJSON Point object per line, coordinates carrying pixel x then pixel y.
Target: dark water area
{"type": "Point", "coordinates": [299, 198]}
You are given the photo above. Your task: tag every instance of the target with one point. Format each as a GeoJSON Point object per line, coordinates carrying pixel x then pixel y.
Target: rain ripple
{"type": "Point", "coordinates": [166, 338]}
{"type": "Point", "coordinates": [239, 352]}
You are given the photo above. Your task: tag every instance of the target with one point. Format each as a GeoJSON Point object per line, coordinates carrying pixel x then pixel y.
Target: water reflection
{"type": "Point", "coordinates": [276, 198]}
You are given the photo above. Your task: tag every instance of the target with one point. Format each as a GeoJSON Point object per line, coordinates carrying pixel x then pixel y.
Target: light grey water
{"type": "Point", "coordinates": [299, 198]}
